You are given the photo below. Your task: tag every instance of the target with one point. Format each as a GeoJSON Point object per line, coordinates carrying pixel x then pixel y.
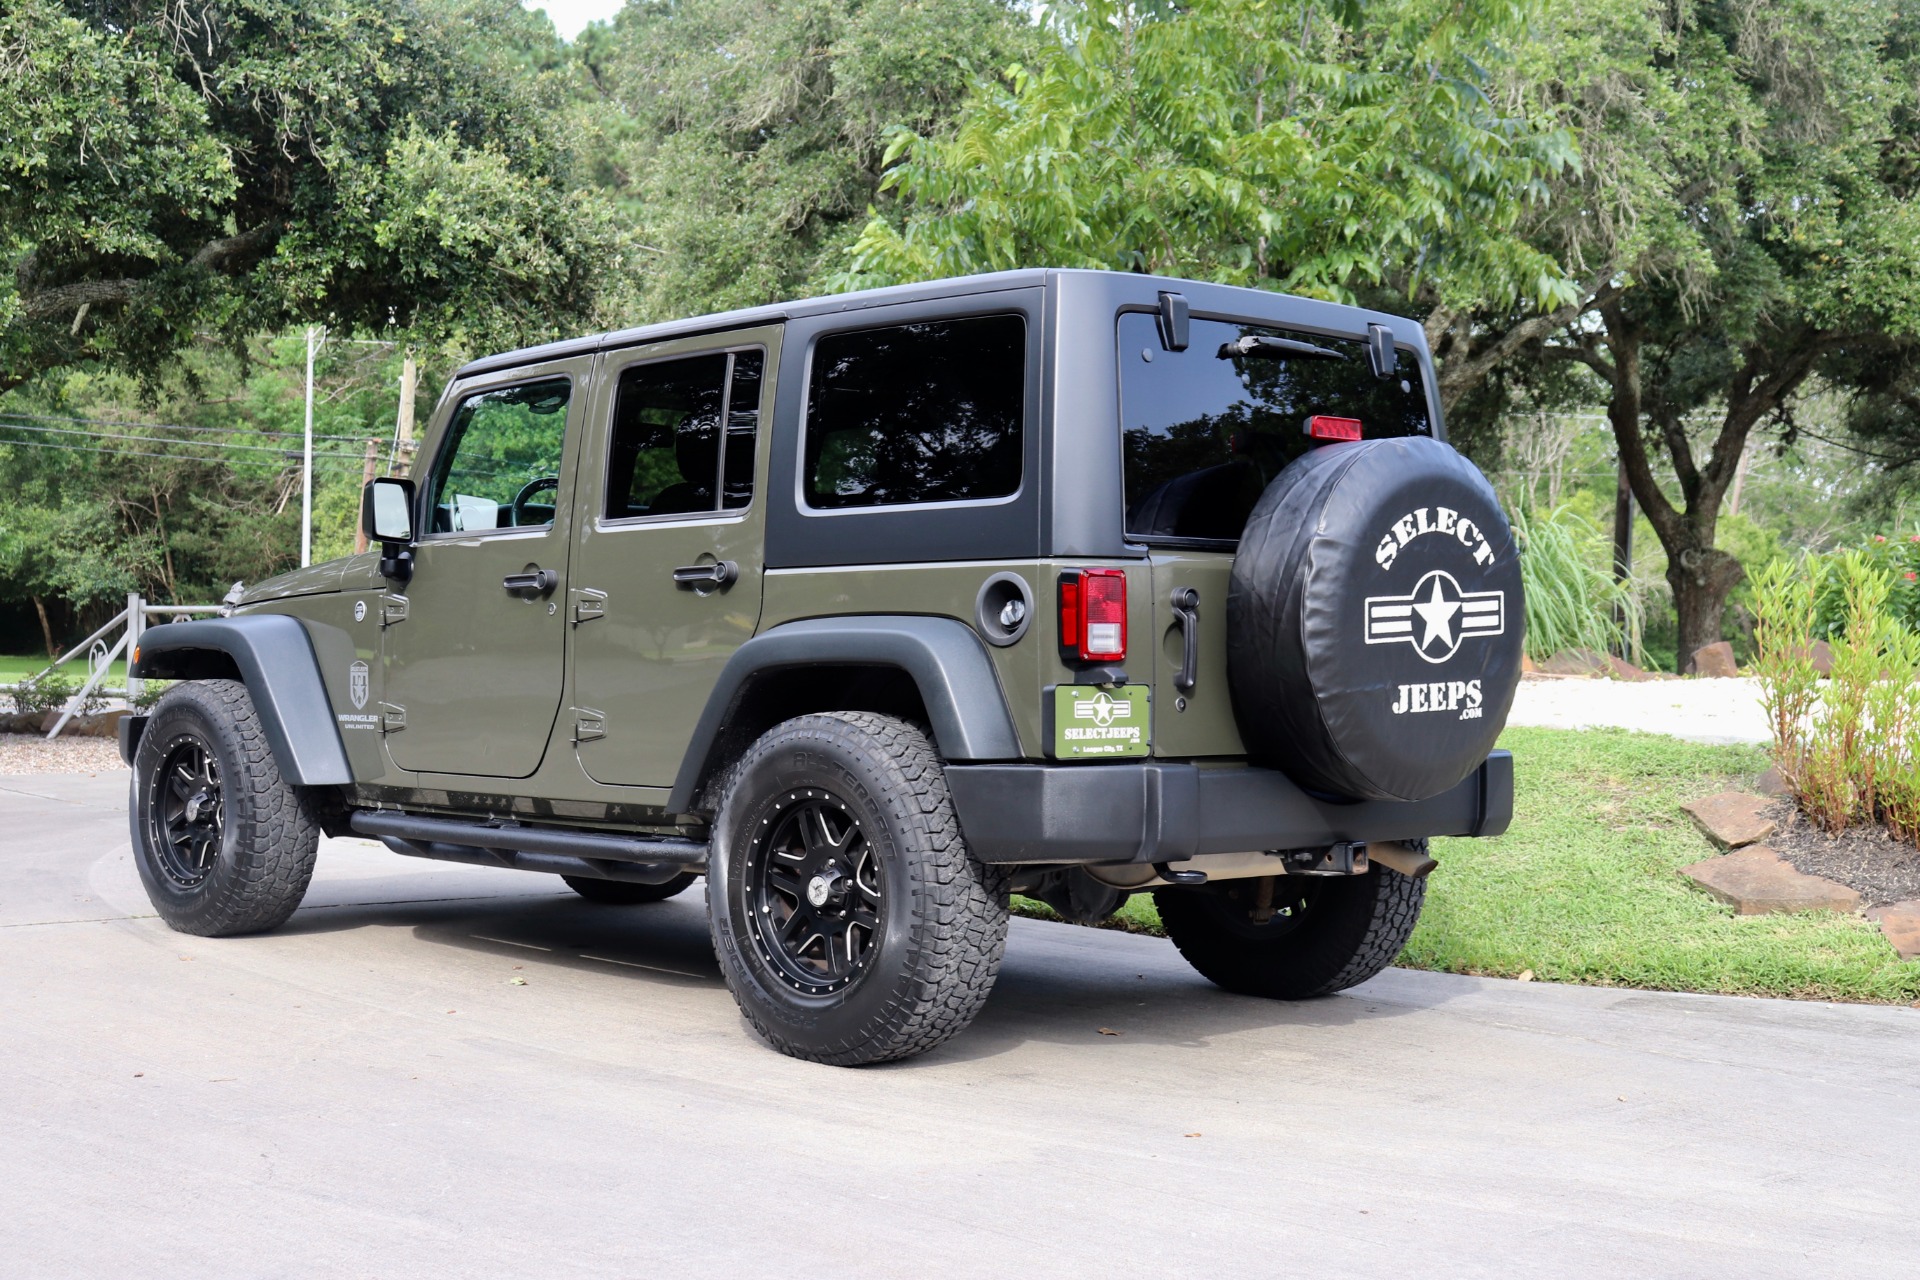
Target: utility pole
{"type": "Point", "coordinates": [366, 478]}
{"type": "Point", "coordinates": [1622, 547]}
{"type": "Point", "coordinates": [1739, 482]}
{"type": "Point", "coordinates": [315, 336]}
{"type": "Point", "coordinates": [402, 462]}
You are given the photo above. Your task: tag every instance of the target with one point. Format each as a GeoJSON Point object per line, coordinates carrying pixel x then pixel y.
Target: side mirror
{"type": "Point", "coordinates": [387, 509]}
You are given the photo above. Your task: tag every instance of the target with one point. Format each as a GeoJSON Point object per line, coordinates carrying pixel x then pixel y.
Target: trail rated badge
{"type": "Point", "coordinates": [1090, 722]}
{"type": "Point", "coordinates": [357, 684]}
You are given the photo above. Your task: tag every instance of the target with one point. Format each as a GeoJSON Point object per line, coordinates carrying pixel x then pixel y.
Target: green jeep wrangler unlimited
{"type": "Point", "coordinates": [873, 610]}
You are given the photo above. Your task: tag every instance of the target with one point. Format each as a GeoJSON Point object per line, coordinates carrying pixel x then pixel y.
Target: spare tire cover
{"type": "Point", "coordinates": [1374, 624]}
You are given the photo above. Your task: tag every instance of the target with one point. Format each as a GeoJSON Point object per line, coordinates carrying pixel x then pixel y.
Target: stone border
{"type": "Point", "coordinates": [1755, 880]}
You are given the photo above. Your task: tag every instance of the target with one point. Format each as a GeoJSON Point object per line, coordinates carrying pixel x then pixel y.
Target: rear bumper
{"type": "Point", "coordinates": [1166, 812]}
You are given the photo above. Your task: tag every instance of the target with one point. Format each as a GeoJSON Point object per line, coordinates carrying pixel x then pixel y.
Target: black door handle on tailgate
{"type": "Point", "coordinates": [1186, 607]}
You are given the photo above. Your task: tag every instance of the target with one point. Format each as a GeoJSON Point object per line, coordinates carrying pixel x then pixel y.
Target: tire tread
{"type": "Point", "coordinates": [965, 928]}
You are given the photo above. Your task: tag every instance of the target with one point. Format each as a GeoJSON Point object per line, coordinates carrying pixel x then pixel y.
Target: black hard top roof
{"type": "Point", "coordinates": [1227, 299]}
{"type": "Point", "coordinates": [751, 316]}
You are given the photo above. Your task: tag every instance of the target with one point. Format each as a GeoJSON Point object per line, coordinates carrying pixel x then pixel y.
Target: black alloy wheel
{"type": "Point", "coordinates": [815, 903]}
{"type": "Point", "coordinates": [186, 811]}
{"type": "Point", "coordinates": [224, 844]}
{"type": "Point", "coordinates": [851, 923]}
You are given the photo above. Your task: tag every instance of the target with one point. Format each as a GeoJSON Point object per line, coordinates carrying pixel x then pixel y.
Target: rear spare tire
{"type": "Point", "coordinates": [1374, 623]}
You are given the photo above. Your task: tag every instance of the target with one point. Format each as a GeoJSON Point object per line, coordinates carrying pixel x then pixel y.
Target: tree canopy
{"type": "Point", "coordinates": [168, 169]}
{"type": "Point", "coordinates": [749, 136]}
{"type": "Point", "coordinates": [1747, 231]}
{"type": "Point", "coordinates": [1325, 148]}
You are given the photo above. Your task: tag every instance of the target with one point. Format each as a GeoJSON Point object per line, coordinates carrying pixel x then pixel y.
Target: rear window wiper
{"type": "Point", "coordinates": [1276, 349]}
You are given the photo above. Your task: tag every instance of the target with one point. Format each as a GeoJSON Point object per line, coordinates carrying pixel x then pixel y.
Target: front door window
{"type": "Point", "coordinates": [501, 466]}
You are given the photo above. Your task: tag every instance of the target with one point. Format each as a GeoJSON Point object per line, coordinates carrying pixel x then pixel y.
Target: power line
{"type": "Point", "coordinates": [289, 454]}
{"type": "Point", "coordinates": [195, 444]}
{"type": "Point", "coordinates": [143, 426]}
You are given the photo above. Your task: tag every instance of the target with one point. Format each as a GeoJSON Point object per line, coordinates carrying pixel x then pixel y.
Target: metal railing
{"type": "Point", "coordinates": [133, 620]}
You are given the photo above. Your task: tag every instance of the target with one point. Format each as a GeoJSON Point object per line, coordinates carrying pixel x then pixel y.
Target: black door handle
{"type": "Point", "coordinates": [718, 574]}
{"type": "Point", "coordinates": [534, 582]}
{"type": "Point", "coordinates": [1186, 607]}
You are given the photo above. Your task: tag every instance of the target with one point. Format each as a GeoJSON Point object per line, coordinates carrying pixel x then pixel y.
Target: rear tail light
{"type": "Point", "coordinates": [1325, 427]}
{"type": "Point", "coordinates": [1093, 615]}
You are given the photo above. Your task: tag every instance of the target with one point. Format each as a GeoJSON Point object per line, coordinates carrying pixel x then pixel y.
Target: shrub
{"type": "Point", "coordinates": [1852, 755]}
{"type": "Point", "coordinates": [1570, 589]}
{"type": "Point", "coordinates": [150, 692]}
{"type": "Point", "coordinates": [1896, 557]}
{"type": "Point", "coordinates": [51, 692]}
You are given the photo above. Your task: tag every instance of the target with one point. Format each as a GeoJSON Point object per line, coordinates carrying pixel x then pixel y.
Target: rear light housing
{"type": "Point", "coordinates": [1327, 428]}
{"type": "Point", "coordinates": [1093, 615]}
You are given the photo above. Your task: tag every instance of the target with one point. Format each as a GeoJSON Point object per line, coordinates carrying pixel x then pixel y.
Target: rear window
{"type": "Point", "coordinates": [916, 413]}
{"type": "Point", "coordinates": [1208, 428]}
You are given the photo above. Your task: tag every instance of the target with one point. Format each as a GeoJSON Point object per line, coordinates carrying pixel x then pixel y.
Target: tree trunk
{"type": "Point", "coordinates": [46, 627]}
{"type": "Point", "coordinates": [1701, 580]}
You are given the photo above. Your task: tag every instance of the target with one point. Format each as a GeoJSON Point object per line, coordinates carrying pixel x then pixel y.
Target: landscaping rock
{"type": "Point", "coordinates": [104, 724]}
{"type": "Point", "coordinates": [1714, 660]}
{"type": "Point", "coordinates": [1732, 818]}
{"type": "Point", "coordinates": [1621, 669]}
{"type": "Point", "coordinates": [1901, 925]}
{"type": "Point", "coordinates": [1772, 783]}
{"type": "Point", "coordinates": [1576, 662]}
{"type": "Point", "coordinates": [1823, 657]}
{"type": "Point", "coordinates": [1756, 882]}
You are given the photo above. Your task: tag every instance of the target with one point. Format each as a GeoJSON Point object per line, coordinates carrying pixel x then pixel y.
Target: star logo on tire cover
{"type": "Point", "coordinates": [1437, 617]}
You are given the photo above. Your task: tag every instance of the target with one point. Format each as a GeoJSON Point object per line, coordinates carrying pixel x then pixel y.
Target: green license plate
{"type": "Point", "coordinates": [1094, 723]}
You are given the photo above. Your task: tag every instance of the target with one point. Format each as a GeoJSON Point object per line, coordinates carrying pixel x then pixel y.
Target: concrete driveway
{"type": "Point", "coordinates": [367, 1093]}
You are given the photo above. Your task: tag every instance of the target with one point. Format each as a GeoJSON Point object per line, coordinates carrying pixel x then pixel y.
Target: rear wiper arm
{"type": "Point", "coordinates": [1277, 349]}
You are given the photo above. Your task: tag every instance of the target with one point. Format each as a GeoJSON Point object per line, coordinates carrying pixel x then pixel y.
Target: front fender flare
{"type": "Point", "coordinates": [272, 655]}
{"type": "Point", "coordinates": [945, 659]}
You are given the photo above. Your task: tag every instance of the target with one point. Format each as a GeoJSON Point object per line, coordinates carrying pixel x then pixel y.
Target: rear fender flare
{"type": "Point", "coordinates": [272, 655]}
{"type": "Point", "coordinates": [947, 662]}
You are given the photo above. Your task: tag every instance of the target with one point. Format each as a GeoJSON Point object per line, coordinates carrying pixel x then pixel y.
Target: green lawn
{"type": "Point", "coordinates": [16, 667]}
{"type": "Point", "coordinates": [1583, 888]}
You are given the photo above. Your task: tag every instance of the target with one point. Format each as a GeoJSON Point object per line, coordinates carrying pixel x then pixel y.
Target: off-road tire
{"type": "Point", "coordinates": [1348, 930]}
{"type": "Point", "coordinates": [942, 916]}
{"type": "Point", "coordinates": [625, 893]}
{"type": "Point", "coordinates": [258, 869]}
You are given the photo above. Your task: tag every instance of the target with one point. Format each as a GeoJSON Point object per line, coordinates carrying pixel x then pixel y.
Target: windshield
{"type": "Point", "coordinates": [1208, 428]}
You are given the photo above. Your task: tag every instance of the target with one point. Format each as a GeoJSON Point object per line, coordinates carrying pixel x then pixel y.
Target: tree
{"type": "Point", "coordinates": [1778, 250]}
{"type": "Point", "coordinates": [750, 133]}
{"type": "Point", "coordinates": [167, 168]}
{"type": "Point", "coordinates": [72, 553]}
{"type": "Point", "coordinates": [1325, 148]}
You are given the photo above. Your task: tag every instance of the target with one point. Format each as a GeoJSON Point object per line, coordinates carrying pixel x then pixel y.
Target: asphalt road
{"type": "Point", "coordinates": [368, 1093]}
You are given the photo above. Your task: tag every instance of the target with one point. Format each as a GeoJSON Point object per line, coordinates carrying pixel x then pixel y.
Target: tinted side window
{"type": "Point", "coordinates": [500, 468]}
{"type": "Point", "coordinates": [1208, 428]}
{"type": "Point", "coordinates": [666, 456]}
{"type": "Point", "coordinates": [926, 412]}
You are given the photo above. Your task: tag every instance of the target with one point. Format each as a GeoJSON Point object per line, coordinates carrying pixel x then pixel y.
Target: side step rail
{"type": "Point", "coordinates": [594, 854]}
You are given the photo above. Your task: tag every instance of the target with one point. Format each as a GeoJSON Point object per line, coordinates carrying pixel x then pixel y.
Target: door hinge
{"type": "Point", "coordinates": [392, 719]}
{"type": "Point", "coordinates": [392, 609]}
{"type": "Point", "coordinates": [588, 604]}
{"type": "Point", "coordinates": [588, 724]}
